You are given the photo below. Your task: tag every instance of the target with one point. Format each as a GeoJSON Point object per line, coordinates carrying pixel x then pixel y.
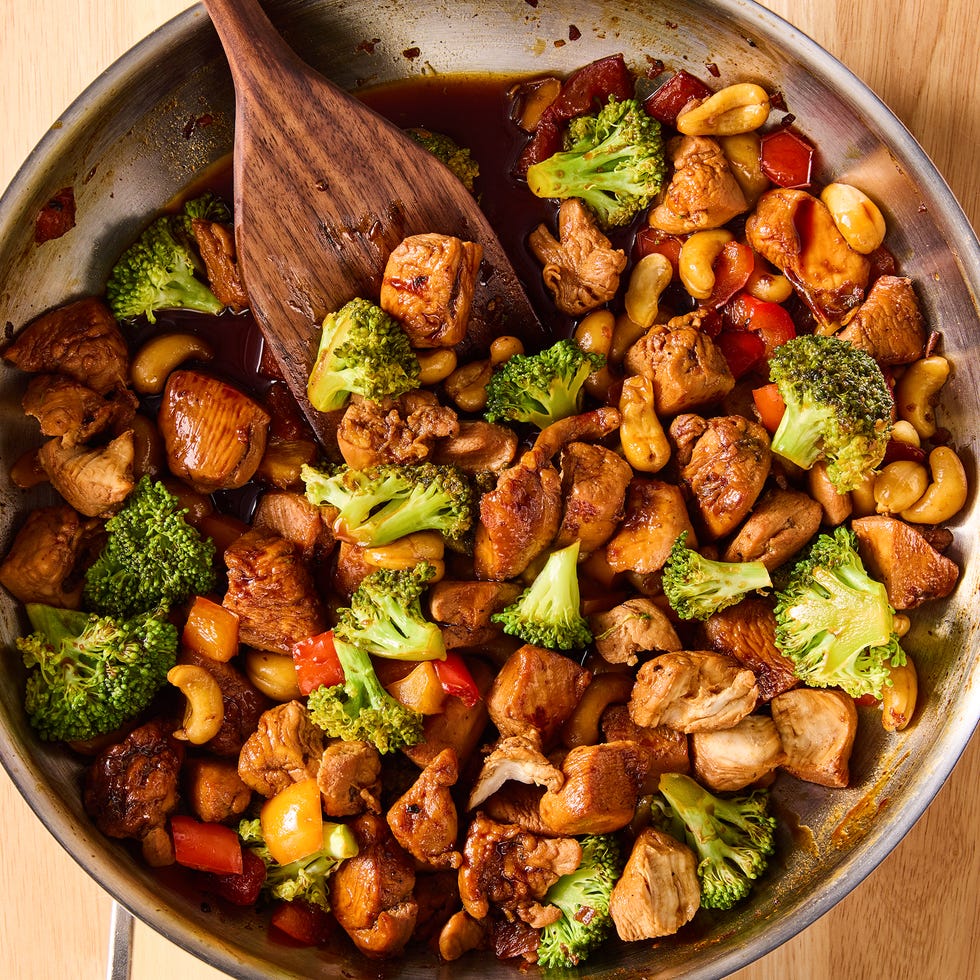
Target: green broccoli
{"type": "Point", "coordinates": [445, 149]}
{"type": "Point", "coordinates": [696, 587]}
{"type": "Point", "coordinates": [834, 621]}
{"type": "Point", "coordinates": [363, 351]}
{"type": "Point", "coordinates": [208, 206]}
{"type": "Point", "coordinates": [360, 709]}
{"type": "Point", "coordinates": [732, 837]}
{"type": "Point", "coordinates": [547, 613]}
{"type": "Point", "coordinates": [157, 272]}
{"type": "Point", "coordinates": [152, 557]}
{"type": "Point", "coordinates": [307, 878]}
{"type": "Point", "coordinates": [383, 503]}
{"type": "Point", "coordinates": [541, 388]}
{"type": "Point", "coordinates": [838, 407]}
{"type": "Point", "coordinates": [89, 673]}
{"type": "Point", "coordinates": [583, 897]}
{"type": "Point", "coordinates": [613, 160]}
{"type": "Point", "coordinates": [385, 616]}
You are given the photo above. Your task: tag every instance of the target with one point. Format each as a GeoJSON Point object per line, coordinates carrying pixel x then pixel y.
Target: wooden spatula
{"type": "Point", "coordinates": [325, 188]}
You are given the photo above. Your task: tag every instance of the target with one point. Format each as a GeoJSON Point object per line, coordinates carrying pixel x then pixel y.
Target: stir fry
{"type": "Point", "coordinates": [512, 660]}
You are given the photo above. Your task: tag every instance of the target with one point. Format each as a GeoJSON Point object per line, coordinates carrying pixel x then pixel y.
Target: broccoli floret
{"type": "Point", "coordinates": [697, 587]}
{"type": "Point", "coordinates": [613, 160]}
{"type": "Point", "coordinates": [385, 616]}
{"type": "Point", "coordinates": [157, 272]}
{"type": "Point", "coordinates": [732, 837]}
{"type": "Point", "coordinates": [360, 709]}
{"type": "Point", "coordinates": [444, 148]}
{"type": "Point", "coordinates": [363, 351]}
{"type": "Point", "coordinates": [834, 621]}
{"type": "Point", "coordinates": [208, 206]}
{"type": "Point", "coordinates": [583, 897]}
{"type": "Point", "coordinates": [89, 673]}
{"type": "Point", "coordinates": [547, 613]}
{"type": "Point", "coordinates": [307, 878]}
{"type": "Point", "coordinates": [152, 557]}
{"type": "Point", "coordinates": [383, 503]}
{"type": "Point", "coordinates": [838, 407]}
{"type": "Point", "coordinates": [541, 388]}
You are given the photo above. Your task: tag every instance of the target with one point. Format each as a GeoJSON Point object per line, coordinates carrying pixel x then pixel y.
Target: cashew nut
{"type": "Point", "coordinates": [863, 502]}
{"type": "Point", "coordinates": [148, 449]}
{"type": "Point", "coordinates": [625, 334]}
{"type": "Point", "coordinates": [857, 217]}
{"type": "Point", "coordinates": [734, 109]}
{"type": "Point", "coordinates": [407, 552]}
{"type": "Point", "coordinates": [904, 432]}
{"type": "Point", "coordinates": [594, 335]}
{"type": "Point", "coordinates": [467, 385]}
{"type": "Point", "coordinates": [205, 709]}
{"type": "Point", "coordinates": [644, 442]}
{"type": "Point", "coordinates": [162, 354]}
{"type": "Point", "coordinates": [435, 365]}
{"type": "Point", "coordinates": [836, 506]}
{"type": "Point", "coordinates": [504, 348]}
{"type": "Point", "coordinates": [898, 699]}
{"type": "Point", "coordinates": [917, 392]}
{"type": "Point", "coordinates": [695, 265]}
{"type": "Point", "coordinates": [946, 495]}
{"type": "Point", "coordinates": [899, 485]}
{"type": "Point", "coordinates": [649, 278]}
{"type": "Point", "coordinates": [274, 674]}
{"type": "Point", "coordinates": [743, 151]}
{"type": "Point", "coordinates": [582, 727]}
{"type": "Point", "coordinates": [766, 284]}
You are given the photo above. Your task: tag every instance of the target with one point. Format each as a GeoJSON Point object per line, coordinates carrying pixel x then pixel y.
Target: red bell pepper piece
{"type": "Point", "coordinates": [732, 269]}
{"type": "Point", "coordinates": [769, 321]}
{"type": "Point", "coordinates": [239, 889]}
{"type": "Point", "coordinates": [666, 103]}
{"type": "Point", "coordinates": [456, 680]}
{"type": "Point", "coordinates": [307, 924]}
{"type": "Point", "coordinates": [649, 240]}
{"type": "Point", "coordinates": [742, 349]}
{"type": "Point", "coordinates": [787, 158]}
{"type": "Point", "coordinates": [206, 846]}
{"type": "Point", "coordinates": [770, 406]}
{"type": "Point", "coordinates": [317, 663]}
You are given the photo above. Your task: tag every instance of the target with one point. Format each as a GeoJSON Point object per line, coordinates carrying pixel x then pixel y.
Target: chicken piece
{"type": "Point", "coordinates": [519, 759]}
{"type": "Point", "coordinates": [739, 756]}
{"type": "Point", "coordinates": [477, 447]}
{"type": "Point", "coordinates": [214, 434]}
{"type": "Point", "coordinates": [371, 893]}
{"type": "Point", "coordinates": [80, 340]}
{"type": "Point", "coordinates": [685, 366]}
{"type": "Point", "coordinates": [900, 556]}
{"type": "Point", "coordinates": [888, 324]}
{"type": "Point", "coordinates": [510, 940]}
{"type": "Point", "coordinates": [796, 233]}
{"type": "Point", "coordinates": [396, 430]}
{"type": "Point", "coordinates": [464, 609]}
{"type": "Point", "coordinates": [747, 632]}
{"type": "Point", "coordinates": [600, 791]}
{"type": "Point", "coordinates": [74, 412]}
{"type": "Point", "coordinates": [428, 286]}
{"type": "Point", "coordinates": [272, 592]}
{"type": "Point", "coordinates": [535, 692]}
{"type": "Point", "coordinates": [817, 729]}
{"type": "Point", "coordinates": [509, 869]}
{"type": "Point", "coordinates": [703, 192]}
{"type": "Point", "coordinates": [424, 819]}
{"type": "Point", "coordinates": [519, 518]}
{"type": "Point", "coordinates": [96, 481]}
{"type": "Point", "coordinates": [47, 558]}
{"type": "Point", "coordinates": [782, 522]}
{"type": "Point", "coordinates": [132, 788]}
{"type": "Point", "coordinates": [518, 803]}
{"type": "Point", "coordinates": [291, 516]}
{"type": "Point", "coordinates": [461, 934]}
{"type": "Point", "coordinates": [286, 748]}
{"type": "Point", "coordinates": [655, 515]}
{"type": "Point", "coordinates": [593, 485]}
{"type": "Point", "coordinates": [724, 462]}
{"type": "Point", "coordinates": [436, 894]}
{"type": "Point", "coordinates": [662, 749]}
{"type": "Point", "coordinates": [216, 244]}
{"type": "Point", "coordinates": [581, 268]}
{"type": "Point", "coordinates": [658, 891]}
{"type": "Point", "coordinates": [638, 625]}
{"type": "Point", "coordinates": [214, 790]}
{"type": "Point", "coordinates": [692, 691]}
{"type": "Point", "coordinates": [349, 778]}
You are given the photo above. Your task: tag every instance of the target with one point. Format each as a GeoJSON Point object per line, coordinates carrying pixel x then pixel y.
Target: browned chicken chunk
{"type": "Point", "coordinates": [428, 285]}
{"type": "Point", "coordinates": [80, 340]}
{"type": "Point", "coordinates": [93, 481]}
{"type": "Point", "coordinates": [796, 233]}
{"type": "Point", "coordinates": [638, 625]}
{"type": "Point", "coordinates": [511, 869]}
{"type": "Point", "coordinates": [685, 366]}
{"type": "Point", "coordinates": [285, 749]}
{"type": "Point", "coordinates": [655, 515]}
{"type": "Point", "coordinates": [424, 819]}
{"type": "Point", "coordinates": [477, 447]}
{"type": "Point", "coordinates": [888, 324]}
{"type": "Point", "coordinates": [781, 523]}
{"type": "Point", "coordinates": [536, 690]}
{"type": "Point", "coordinates": [214, 434]}
{"type": "Point", "coordinates": [214, 790]}
{"type": "Point", "coordinates": [692, 691]}
{"type": "Point", "coordinates": [515, 759]}
{"type": "Point", "coordinates": [898, 555]}
{"type": "Point", "coordinates": [703, 192]}
{"type": "Point", "coordinates": [396, 430]}
{"type": "Point", "coordinates": [663, 749]}
{"type": "Point", "coordinates": [46, 560]}
{"type": "Point", "coordinates": [464, 609]}
{"type": "Point", "coordinates": [349, 778]}
{"type": "Point", "coordinates": [74, 412]}
{"type": "Point", "coordinates": [658, 891]}
{"type": "Point", "coordinates": [371, 893]}
{"type": "Point", "coordinates": [132, 788]}
{"type": "Point", "coordinates": [216, 244]}
{"type": "Point", "coordinates": [739, 756]}
{"type": "Point", "coordinates": [518, 803]}
{"type": "Point", "coordinates": [290, 515]}
{"type": "Point", "coordinates": [271, 590]}
{"type": "Point", "coordinates": [724, 462]}
{"type": "Point", "coordinates": [817, 729]}
{"type": "Point", "coordinates": [461, 934]}
{"type": "Point", "coordinates": [581, 268]}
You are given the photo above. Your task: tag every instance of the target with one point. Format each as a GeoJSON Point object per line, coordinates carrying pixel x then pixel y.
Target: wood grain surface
{"type": "Point", "coordinates": [917, 915]}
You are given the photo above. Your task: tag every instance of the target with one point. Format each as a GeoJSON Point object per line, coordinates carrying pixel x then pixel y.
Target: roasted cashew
{"type": "Point", "coordinates": [917, 392]}
{"type": "Point", "coordinates": [274, 674]}
{"type": "Point", "coordinates": [738, 108]}
{"type": "Point", "coordinates": [695, 264]}
{"type": "Point", "coordinates": [435, 365]}
{"type": "Point", "coordinates": [946, 495]}
{"type": "Point", "coordinates": [205, 710]}
{"type": "Point", "coordinates": [162, 354]}
{"type": "Point", "coordinates": [649, 278]}
{"type": "Point", "coordinates": [857, 217]}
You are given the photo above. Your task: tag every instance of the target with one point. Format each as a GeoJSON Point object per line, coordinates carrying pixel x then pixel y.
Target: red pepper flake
{"type": "Point", "coordinates": [532, 3]}
{"type": "Point", "coordinates": [411, 53]}
{"type": "Point", "coordinates": [195, 123]}
{"type": "Point", "coordinates": [713, 69]}
{"type": "Point", "coordinates": [778, 101]}
{"type": "Point", "coordinates": [655, 67]}
{"type": "Point", "coordinates": [671, 25]}
{"type": "Point", "coordinates": [573, 33]}
{"type": "Point", "coordinates": [56, 217]}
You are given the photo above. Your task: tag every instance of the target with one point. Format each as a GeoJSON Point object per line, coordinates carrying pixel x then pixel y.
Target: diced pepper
{"type": "Point", "coordinates": [317, 663]}
{"type": "Point", "coordinates": [456, 679]}
{"type": "Point", "coordinates": [787, 158]}
{"type": "Point", "coordinates": [770, 406]}
{"type": "Point", "coordinates": [308, 925]}
{"type": "Point", "coordinates": [666, 103]}
{"type": "Point", "coordinates": [732, 269]}
{"type": "Point", "coordinates": [770, 321]}
{"type": "Point", "coordinates": [239, 889]}
{"type": "Point", "coordinates": [292, 821]}
{"type": "Point", "coordinates": [743, 350]}
{"type": "Point", "coordinates": [650, 240]}
{"type": "Point", "coordinates": [211, 630]}
{"type": "Point", "coordinates": [420, 689]}
{"type": "Point", "coordinates": [206, 846]}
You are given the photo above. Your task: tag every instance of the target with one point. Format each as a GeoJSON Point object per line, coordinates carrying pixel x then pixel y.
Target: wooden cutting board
{"type": "Point", "coordinates": [915, 916]}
